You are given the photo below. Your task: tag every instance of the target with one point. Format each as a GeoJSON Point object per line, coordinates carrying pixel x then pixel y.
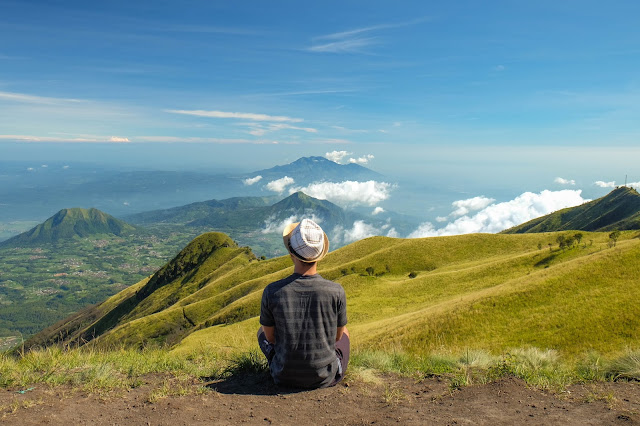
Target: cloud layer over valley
{"type": "Point", "coordinates": [500, 216]}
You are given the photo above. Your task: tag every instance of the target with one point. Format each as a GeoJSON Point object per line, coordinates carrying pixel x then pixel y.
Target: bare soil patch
{"type": "Point", "coordinates": [393, 400]}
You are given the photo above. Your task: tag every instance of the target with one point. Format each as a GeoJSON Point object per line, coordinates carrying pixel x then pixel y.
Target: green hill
{"type": "Point", "coordinates": [71, 223]}
{"type": "Point", "coordinates": [253, 221]}
{"type": "Point", "coordinates": [478, 291]}
{"type": "Point", "coordinates": [620, 209]}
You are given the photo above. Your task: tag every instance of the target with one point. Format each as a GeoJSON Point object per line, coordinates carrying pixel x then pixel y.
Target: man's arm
{"type": "Point", "coordinates": [340, 332]}
{"type": "Point", "coordinates": [270, 333]}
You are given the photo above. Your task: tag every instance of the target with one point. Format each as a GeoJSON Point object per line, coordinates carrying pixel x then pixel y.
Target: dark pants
{"type": "Point", "coordinates": [343, 347]}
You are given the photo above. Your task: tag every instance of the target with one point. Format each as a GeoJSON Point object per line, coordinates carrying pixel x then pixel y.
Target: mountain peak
{"type": "Point", "coordinates": [306, 170]}
{"type": "Point", "coordinates": [70, 223]}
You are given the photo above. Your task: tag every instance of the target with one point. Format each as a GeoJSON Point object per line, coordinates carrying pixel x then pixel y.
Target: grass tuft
{"type": "Point", "coordinates": [626, 367]}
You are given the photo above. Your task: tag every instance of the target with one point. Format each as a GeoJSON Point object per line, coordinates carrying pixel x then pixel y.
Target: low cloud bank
{"type": "Point", "coordinates": [348, 193]}
{"type": "Point", "coordinates": [563, 181]}
{"type": "Point", "coordinates": [359, 231]}
{"type": "Point", "coordinates": [279, 185]}
{"type": "Point", "coordinates": [338, 156]}
{"type": "Point", "coordinates": [464, 207]}
{"type": "Point", "coordinates": [612, 184]}
{"type": "Point", "coordinates": [362, 160]}
{"type": "Point", "coordinates": [251, 181]}
{"type": "Point", "coordinates": [498, 217]}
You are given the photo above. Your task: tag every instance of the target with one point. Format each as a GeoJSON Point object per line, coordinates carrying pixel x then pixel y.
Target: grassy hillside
{"type": "Point", "coordinates": [620, 209]}
{"type": "Point", "coordinates": [490, 292]}
{"type": "Point", "coordinates": [71, 223]}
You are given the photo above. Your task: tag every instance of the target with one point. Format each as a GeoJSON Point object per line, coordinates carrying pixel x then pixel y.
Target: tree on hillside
{"type": "Point", "coordinates": [614, 236]}
{"type": "Point", "coordinates": [560, 240]}
{"type": "Point", "coordinates": [578, 237]}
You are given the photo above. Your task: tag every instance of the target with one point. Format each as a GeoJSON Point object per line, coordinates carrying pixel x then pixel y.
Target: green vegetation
{"type": "Point", "coordinates": [71, 223]}
{"type": "Point", "coordinates": [620, 209]}
{"type": "Point", "coordinates": [423, 296]}
{"type": "Point", "coordinates": [41, 284]}
{"type": "Point", "coordinates": [103, 370]}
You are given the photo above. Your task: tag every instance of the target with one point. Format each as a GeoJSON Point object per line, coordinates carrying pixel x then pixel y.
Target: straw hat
{"type": "Point", "coordinates": [306, 241]}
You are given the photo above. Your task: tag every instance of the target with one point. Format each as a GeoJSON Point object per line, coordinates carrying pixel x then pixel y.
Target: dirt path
{"type": "Point", "coordinates": [394, 401]}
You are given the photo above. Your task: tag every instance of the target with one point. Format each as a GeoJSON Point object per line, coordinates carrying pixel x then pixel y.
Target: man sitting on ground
{"type": "Point", "coordinates": [304, 316]}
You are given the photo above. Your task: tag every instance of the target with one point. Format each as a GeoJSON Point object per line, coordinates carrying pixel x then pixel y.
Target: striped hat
{"type": "Point", "coordinates": [306, 241]}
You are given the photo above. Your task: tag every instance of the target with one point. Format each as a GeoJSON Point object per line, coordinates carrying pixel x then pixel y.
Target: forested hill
{"type": "Point", "coordinates": [70, 223]}
{"type": "Point", "coordinates": [620, 209]}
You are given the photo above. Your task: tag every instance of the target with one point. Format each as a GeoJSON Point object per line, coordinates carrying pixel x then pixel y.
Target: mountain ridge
{"type": "Point", "coordinates": [619, 209]}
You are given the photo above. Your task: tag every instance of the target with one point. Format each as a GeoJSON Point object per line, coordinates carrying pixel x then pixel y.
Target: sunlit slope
{"type": "Point", "coordinates": [469, 291]}
{"type": "Point", "coordinates": [619, 209]}
{"type": "Point", "coordinates": [489, 292]}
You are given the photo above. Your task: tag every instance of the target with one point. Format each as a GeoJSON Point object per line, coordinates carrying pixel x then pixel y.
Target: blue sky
{"type": "Point", "coordinates": [495, 94]}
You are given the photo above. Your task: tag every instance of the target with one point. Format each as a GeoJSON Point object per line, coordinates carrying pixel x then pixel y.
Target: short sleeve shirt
{"type": "Point", "coordinates": [306, 311]}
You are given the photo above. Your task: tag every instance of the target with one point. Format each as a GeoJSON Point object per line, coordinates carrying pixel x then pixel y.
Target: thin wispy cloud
{"type": "Point", "coordinates": [33, 99]}
{"type": "Point", "coordinates": [303, 93]}
{"type": "Point", "coordinates": [240, 115]}
{"type": "Point", "coordinates": [258, 129]}
{"type": "Point", "coordinates": [355, 40]}
{"type": "Point", "coordinates": [351, 33]}
{"type": "Point", "coordinates": [137, 139]}
{"type": "Point", "coordinates": [58, 139]}
{"type": "Point", "coordinates": [345, 46]}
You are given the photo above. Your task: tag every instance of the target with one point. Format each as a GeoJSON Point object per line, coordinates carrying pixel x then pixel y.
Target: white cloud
{"type": "Point", "coordinates": [377, 210]}
{"type": "Point", "coordinates": [362, 160]}
{"type": "Point", "coordinates": [441, 219]}
{"type": "Point", "coordinates": [563, 181]}
{"type": "Point", "coordinates": [118, 139]}
{"type": "Point", "coordinates": [274, 226]}
{"type": "Point", "coordinates": [44, 166]}
{"type": "Point", "coordinates": [352, 41]}
{"type": "Point", "coordinates": [258, 129]}
{"type": "Point", "coordinates": [242, 115]}
{"type": "Point", "coordinates": [355, 45]}
{"type": "Point", "coordinates": [32, 99]}
{"type": "Point", "coordinates": [65, 167]}
{"type": "Point", "coordinates": [463, 207]}
{"type": "Point", "coordinates": [271, 225]}
{"type": "Point", "coordinates": [279, 185]}
{"type": "Point", "coordinates": [30, 169]}
{"type": "Point", "coordinates": [348, 193]}
{"type": "Point", "coordinates": [602, 184]}
{"type": "Point", "coordinates": [336, 156]}
{"type": "Point", "coordinates": [359, 231]}
{"type": "Point", "coordinates": [500, 216]}
{"type": "Point", "coordinates": [635, 185]}
{"type": "Point", "coordinates": [251, 181]}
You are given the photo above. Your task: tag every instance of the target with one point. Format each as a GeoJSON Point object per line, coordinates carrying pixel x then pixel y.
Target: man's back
{"type": "Point", "coordinates": [306, 311]}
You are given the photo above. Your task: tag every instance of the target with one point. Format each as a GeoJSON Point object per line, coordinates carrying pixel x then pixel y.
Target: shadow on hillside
{"type": "Point", "coordinates": [250, 384]}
